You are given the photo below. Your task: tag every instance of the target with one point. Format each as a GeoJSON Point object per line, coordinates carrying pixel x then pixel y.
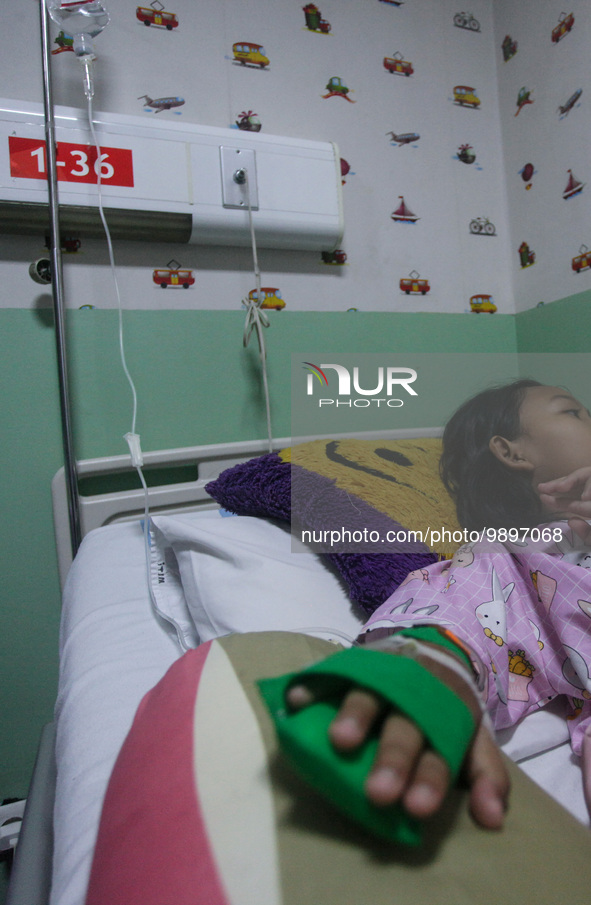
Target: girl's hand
{"type": "Point", "coordinates": [407, 770]}
{"type": "Point", "coordinates": [571, 496]}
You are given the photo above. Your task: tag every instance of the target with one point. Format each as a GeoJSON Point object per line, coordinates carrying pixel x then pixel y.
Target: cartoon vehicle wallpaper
{"type": "Point", "coordinates": [582, 261]}
{"type": "Point", "coordinates": [161, 103]}
{"type": "Point", "coordinates": [68, 244]}
{"type": "Point", "coordinates": [64, 43]}
{"type": "Point", "coordinates": [414, 284]}
{"type": "Point", "coordinates": [509, 48]}
{"type": "Point", "coordinates": [250, 54]}
{"type": "Point", "coordinates": [466, 20]}
{"type": "Point", "coordinates": [466, 154]}
{"type": "Point", "coordinates": [523, 98]}
{"type": "Point", "coordinates": [403, 213]}
{"type": "Point", "coordinates": [465, 96]}
{"type": "Point", "coordinates": [565, 23]}
{"type": "Point", "coordinates": [482, 303]}
{"type": "Point", "coordinates": [248, 121]}
{"type": "Point", "coordinates": [156, 15]}
{"type": "Point", "coordinates": [338, 256]}
{"type": "Point", "coordinates": [336, 88]}
{"type": "Point", "coordinates": [173, 276]}
{"type": "Point", "coordinates": [314, 20]}
{"type": "Point", "coordinates": [564, 109]}
{"type": "Point", "coordinates": [526, 256]}
{"type": "Point", "coordinates": [271, 298]}
{"type": "Point", "coordinates": [527, 173]}
{"type": "Point", "coordinates": [397, 66]}
{"type": "Point", "coordinates": [403, 138]}
{"type": "Point", "coordinates": [482, 226]}
{"type": "Point", "coordinates": [573, 186]}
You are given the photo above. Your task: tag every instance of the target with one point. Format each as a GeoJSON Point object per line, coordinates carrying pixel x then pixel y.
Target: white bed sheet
{"type": "Point", "coordinates": [113, 650]}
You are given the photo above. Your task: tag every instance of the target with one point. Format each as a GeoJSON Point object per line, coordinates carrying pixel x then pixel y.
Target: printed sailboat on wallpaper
{"type": "Point", "coordinates": [573, 186]}
{"type": "Point", "coordinates": [403, 213]}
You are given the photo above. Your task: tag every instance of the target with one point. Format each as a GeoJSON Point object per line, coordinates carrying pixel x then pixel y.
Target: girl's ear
{"type": "Point", "coordinates": [509, 453]}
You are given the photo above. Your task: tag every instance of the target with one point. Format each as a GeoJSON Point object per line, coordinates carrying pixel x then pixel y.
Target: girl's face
{"type": "Point", "coordinates": [555, 436]}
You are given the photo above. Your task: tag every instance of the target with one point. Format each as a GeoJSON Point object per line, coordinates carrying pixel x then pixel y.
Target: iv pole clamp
{"type": "Point", "coordinates": [57, 290]}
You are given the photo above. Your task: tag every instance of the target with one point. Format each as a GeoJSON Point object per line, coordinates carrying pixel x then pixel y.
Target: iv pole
{"type": "Point", "coordinates": [57, 288]}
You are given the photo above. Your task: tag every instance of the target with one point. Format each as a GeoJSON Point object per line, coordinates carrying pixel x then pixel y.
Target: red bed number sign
{"type": "Point", "coordinates": [75, 163]}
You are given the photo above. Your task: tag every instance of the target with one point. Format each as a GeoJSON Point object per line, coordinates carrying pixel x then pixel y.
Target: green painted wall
{"type": "Point", "coordinates": [563, 326]}
{"type": "Point", "coordinates": [195, 385]}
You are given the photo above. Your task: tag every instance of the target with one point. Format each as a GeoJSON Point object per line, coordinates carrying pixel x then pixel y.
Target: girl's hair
{"type": "Point", "coordinates": [487, 494]}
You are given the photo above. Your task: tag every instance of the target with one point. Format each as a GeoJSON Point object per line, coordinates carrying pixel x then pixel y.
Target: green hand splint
{"type": "Point", "coordinates": [409, 687]}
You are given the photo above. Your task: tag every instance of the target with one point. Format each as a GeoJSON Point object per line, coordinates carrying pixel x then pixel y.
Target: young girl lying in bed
{"type": "Point", "coordinates": [514, 457]}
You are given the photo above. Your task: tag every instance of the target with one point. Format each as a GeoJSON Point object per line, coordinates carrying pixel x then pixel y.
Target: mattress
{"type": "Point", "coordinates": [209, 575]}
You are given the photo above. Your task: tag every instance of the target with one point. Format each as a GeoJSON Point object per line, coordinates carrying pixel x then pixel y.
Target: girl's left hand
{"type": "Point", "coordinates": [406, 769]}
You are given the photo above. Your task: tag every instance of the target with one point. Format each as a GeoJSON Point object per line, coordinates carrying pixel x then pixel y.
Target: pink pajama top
{"type": "Point", "coordinates": [523, 607]}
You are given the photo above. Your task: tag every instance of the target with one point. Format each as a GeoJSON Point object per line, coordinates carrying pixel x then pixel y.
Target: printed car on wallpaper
{"type": "Point", "coordinates": [397, 65]}
{"type": "Point", "coordinates": [64, 43]}
{"type": "Point", "coordinates": [465, 96]}
{"type": "Point", "coordinates": [565, 24]}
{"type": "Point", "coordinates": [582, 261]}
{"type": "Point", "coordinates": [172, 275]}
{"type": "Point", "coordinates": [482, 302]}
{"type": "Point", "coordinates": [270, 298]}
{"type": "Point", "coordinates": [338, 256]}
{"type": "Point", "coordinates": [248, 54]}
{"type": "Point", "coordinates": [156, 15]}
{"type": "Point", "coordinates": [335, 87]}
{"type": "Point", "coordinates": [414, 284]}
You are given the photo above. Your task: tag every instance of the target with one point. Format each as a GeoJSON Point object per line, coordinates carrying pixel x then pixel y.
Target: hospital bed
{"type": "Point", "coordinates": [114, 646]}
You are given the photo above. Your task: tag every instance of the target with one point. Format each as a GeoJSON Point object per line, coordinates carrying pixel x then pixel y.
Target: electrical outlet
{"type": "Point", "coordinates": [239, 178]}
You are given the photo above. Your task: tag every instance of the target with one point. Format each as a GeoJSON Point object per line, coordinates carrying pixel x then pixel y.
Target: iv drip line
{"type": "Point", "coordinates": [132, 438]}
{"type": "Point", "coordinates": [86, 56]}
{"type": "Point", "coordinates": [256, 319]}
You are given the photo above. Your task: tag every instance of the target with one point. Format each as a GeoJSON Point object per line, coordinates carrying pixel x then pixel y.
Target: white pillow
{"type": "Point", "coordinates": [239, 574]}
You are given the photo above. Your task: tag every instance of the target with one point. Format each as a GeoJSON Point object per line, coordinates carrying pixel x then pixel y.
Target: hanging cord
{"type": "Point", "coordinates": [132, 438]}
{"type": "Point", "coordinates": [256, 319]}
